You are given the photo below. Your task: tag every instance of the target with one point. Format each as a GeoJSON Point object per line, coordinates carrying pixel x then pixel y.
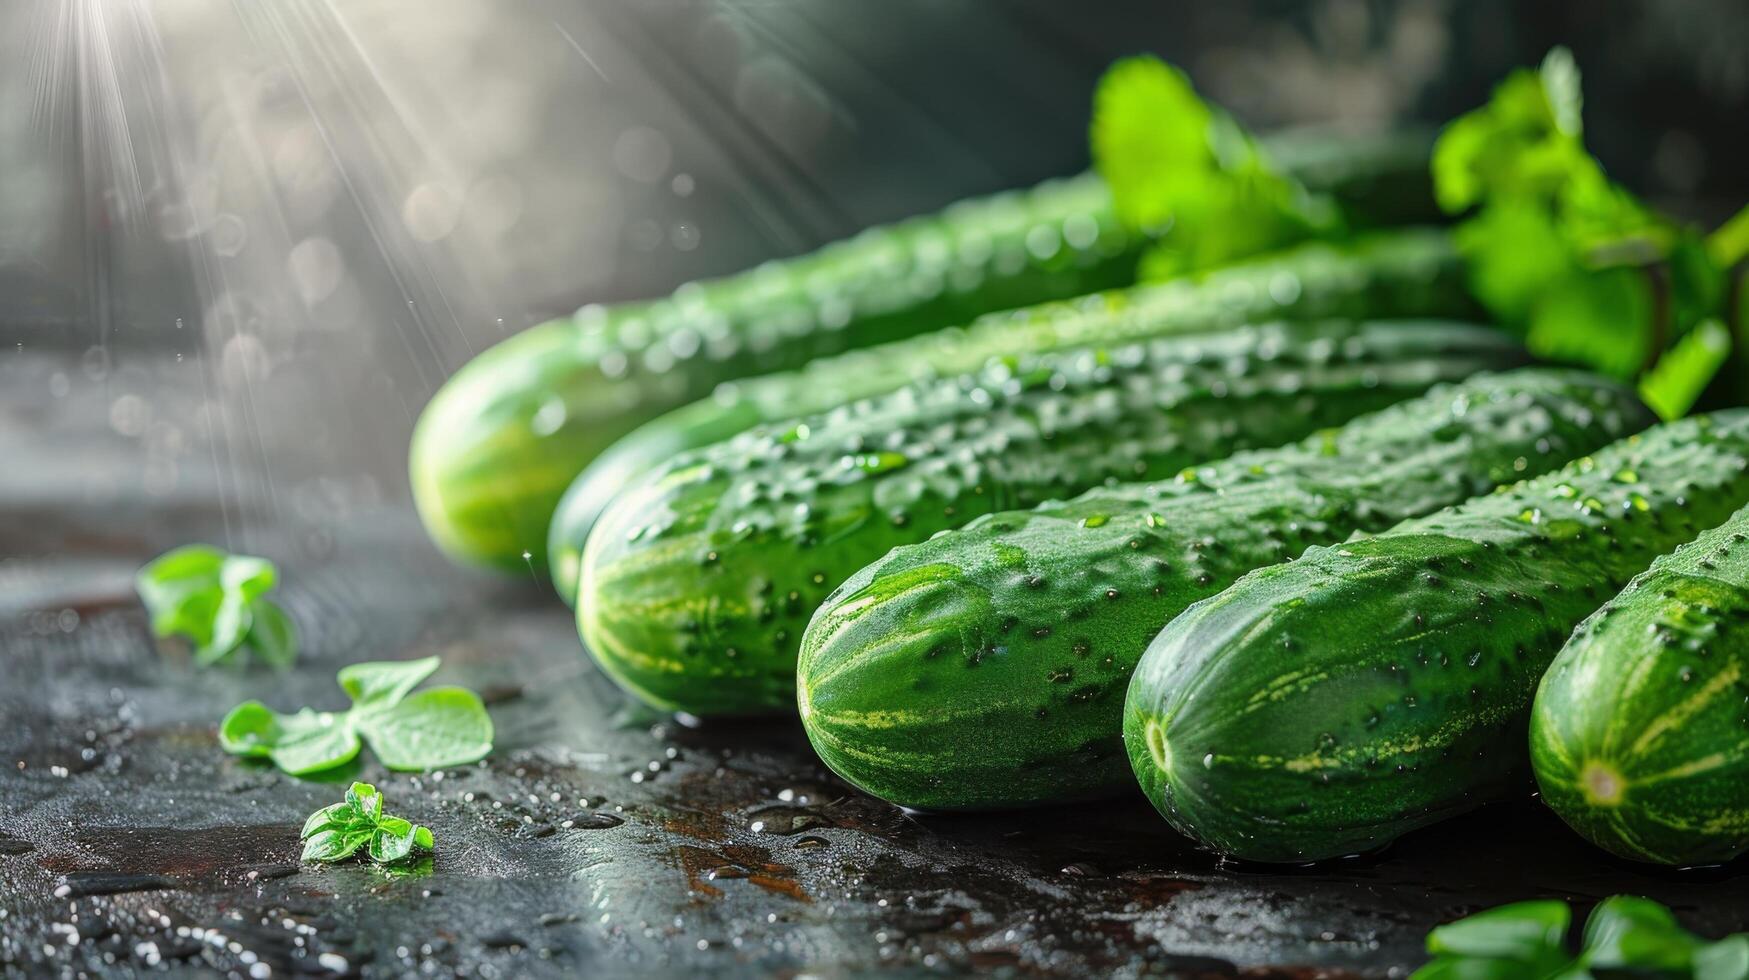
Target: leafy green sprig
{"type": "Point", "coordinates": [437, 727]}
{"type": "Point", "coordinates": [337, 832]}
{"type": "Point", "coordinates": [1574, 261]}
{"type": "Point", "coordinates": [1623, 935]}
{"type": "Point", "coordinates": [218, 602]}
{"type": "Point", "coordinates": [1188, 175]}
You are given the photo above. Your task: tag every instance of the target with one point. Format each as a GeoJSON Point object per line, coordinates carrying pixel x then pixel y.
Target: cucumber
{"type": "Point", "coordinates": [1639, 736]}
{"type": "Point", "coordinates": [1396, 274]}
{"type": "Point", "coordinates": [500, 442]}
{"type": "Point", "coordinates": [697, 583]}
{"type": "Point", "coordinates": [1326, 706]}
{"type": "Point", "coordinates": [1017, 634]}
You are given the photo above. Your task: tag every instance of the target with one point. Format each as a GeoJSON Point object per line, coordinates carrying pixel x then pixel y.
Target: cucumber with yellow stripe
{"type": "Point", "coordinates": [1386, 274]}
{"type": "Point", "coordinates": [986, 667]}
{"type": "Point", "coordinates": [1640, 731]}
{"type": "Point", "coordinates": [500, 442]}
{"type": "Point", "coordinates": [697, 583]}
{"type": "Point", "coordinates": [1326, 706]}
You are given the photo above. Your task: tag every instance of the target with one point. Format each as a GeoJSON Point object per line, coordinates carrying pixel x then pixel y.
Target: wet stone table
{"type": "Point", "coordinates": [599, 838]}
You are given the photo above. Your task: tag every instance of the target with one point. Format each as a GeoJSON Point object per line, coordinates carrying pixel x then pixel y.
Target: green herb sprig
{"type": "Point", "coordinates": [337, 832]}
{"type": "Point", "coordinates": [437, 727]}
{"type": "Point", "coordinates": [217, 601]}
{"type": "Point", "coordinates": [1583, 269]}
{"type": "Point", "coordinates": [1188, 175]}
{"type": "Point", "coordinates": [1624, 934]}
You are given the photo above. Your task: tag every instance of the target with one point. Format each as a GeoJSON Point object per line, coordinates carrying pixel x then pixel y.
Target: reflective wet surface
{"type": "Point", "coordinates": [599, 836]}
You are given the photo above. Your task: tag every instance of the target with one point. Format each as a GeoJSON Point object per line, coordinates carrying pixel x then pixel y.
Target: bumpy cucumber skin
{"type": "Point", "coordinates": [698, 583]}
{"type": "Point", "coordinates": [1327, 706]}
{"type": "Point", "coordinates": [500, 442]}
{"type": "Point", "coordinates": [1639, 736]}
{"type": "Point", "coordinates": [1387, 275]}
{"type": "Point", "coordinates": [986, 667]}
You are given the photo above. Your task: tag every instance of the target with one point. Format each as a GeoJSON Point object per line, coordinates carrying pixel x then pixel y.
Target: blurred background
{"type": "Point", "coordinates": [254, 237]}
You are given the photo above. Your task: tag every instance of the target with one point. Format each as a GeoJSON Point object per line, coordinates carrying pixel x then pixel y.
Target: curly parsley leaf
{"type": "Point", "coordinates": [1188, 175]}
{"type": "Point", "coordinates": [337, 832]}
{"type": "Point", "coordinates": [217, 601]}
{"type": "Point", "coordinates": [442, 726]}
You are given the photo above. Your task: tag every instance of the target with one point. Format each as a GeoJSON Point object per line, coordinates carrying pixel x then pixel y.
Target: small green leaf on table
{"type": "Point", "coordinates": [432, 729]}
{"type": "Point", "coordinates": [217, 601]}
{"type": "Point", "coordinates": [337, 832]}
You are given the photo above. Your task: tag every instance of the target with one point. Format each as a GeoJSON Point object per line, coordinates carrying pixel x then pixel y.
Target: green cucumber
{"type": "Point", "coordinates": [1393, 274]}
{"type": "Point", "coordinates": [1640, 731]}
{"type": "Point", "coordinates": [501, 441]}
{"type": "Point", "coordinates": [986, 667]}
{"type": "Point", "coordinates": [697, 583]}
{"type": "Point", "coordinates": [1326, 706]}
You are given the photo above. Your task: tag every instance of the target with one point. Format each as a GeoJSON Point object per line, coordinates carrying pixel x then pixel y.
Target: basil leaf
{"type": "Point", "coordinates": [1626, 932]}
{"type": "Point", "coordinates": [215, 600]}
{"type": "Point", "coordinates": [229, 625]}
{"type": "Point", "coordinates": [338, 831]}
{"type": "Point", "coordinates": [1727, 959]}
{"type": "Point", "coordinates": [1523, 931]}
{"type": "Point", "coordinates": [335, 817]}
{"type": "Point", "coordinates": [435, 728]}
{"type": "Point", "coordinates": [170, 581]}
{"type": "Point", "coordinates": [443, 726]}
{"type": "Point", "coordinates": [336, 845]}
{"type": "Point", "coordinates": [383, 684]}
{"type": "Point", "coordinates": [272, 636]}
{"type": "Point", "coordinates": [387, 847]}
{"type": "Point", "coordinates": [306, 742]}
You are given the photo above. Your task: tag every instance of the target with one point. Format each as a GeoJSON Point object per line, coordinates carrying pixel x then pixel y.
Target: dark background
{"type": "Point", "coordinates": [324, 208]}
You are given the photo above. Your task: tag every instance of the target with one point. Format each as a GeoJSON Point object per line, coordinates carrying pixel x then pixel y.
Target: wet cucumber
{"type": "Point", "coordinates": [1328, 705]}
{"type": "Point", "coordinates": [697, 583]}
{"type": "Point", "coordinates": [503, 438]}
{"type": "Point", "coordinates": [1389, 274]}
{"type": "Point", "coordinates": [986, 667]}
{"type": "Point", "coordinates": [1640, 731]}
{"type": "Point", "coordinates": [501, 441]}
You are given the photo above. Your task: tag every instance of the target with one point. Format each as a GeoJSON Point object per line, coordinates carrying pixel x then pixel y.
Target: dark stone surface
{"type": "Point", "coordinates": [599, 838]}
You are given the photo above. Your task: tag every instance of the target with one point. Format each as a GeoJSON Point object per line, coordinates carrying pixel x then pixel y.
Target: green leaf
{"type": "Point", "coordinates": [1729, 243]}
{"type": "Point", "coordinates": [230, 624]}
{"type": "Point", "coordinates": [1727, 959]}
{"type": "Point", "coordinates": [382, 684]}
{"type": "Point", "coordinates": [170, 581]}
{"type": "Point", "coordinates": [247, 576]}
{"type": "Point", "coordinates": [309, 741]}
{"type": "Point", "coordinates": [364, 798]}
{"type": "Point", "coordinates": [1626, 932]}
{"type": "Point", "coordinates": [387, 847]}
{"type": "Point", "coordinates": [1188, 174]}
{"type": "Point", "coordinates": [1149, 126]}
{"type": "Point", "coordinates": [335, 817]}
{"type": "Point", "coordinates": [1598, 319]}
{"type": "Point", "coordinates": [336, 845]}
{"type": "Point", "coordinates": [336, 832]}
{"type": "Point", "coordinates": [444, 726]}
{"type": "Point", "coordinates": [272, 635]}
{"type": "Point", "coordinates": [1523, 931]}
{"type": "Point", "coordinates": [214, 599]}
{"type": "Point", "coordinates": [1676, 382]}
